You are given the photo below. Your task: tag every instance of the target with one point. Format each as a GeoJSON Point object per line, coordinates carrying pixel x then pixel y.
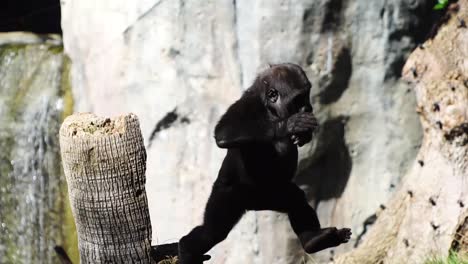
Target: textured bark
{"type": "Point", "coordinates": [105, 162]}
{"type": "Point", "coordinates": [427, 215]}
{"type": "Point", "coordinates": [460, 238]}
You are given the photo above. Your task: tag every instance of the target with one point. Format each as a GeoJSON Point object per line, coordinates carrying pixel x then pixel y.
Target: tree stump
{"type": "Point", "coordinates": [104, 162]}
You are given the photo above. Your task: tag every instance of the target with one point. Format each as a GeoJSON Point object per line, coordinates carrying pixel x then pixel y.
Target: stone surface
{"type": "Point", "coordinates": [179, 64]}
{"type": "Point", "coordinates": [34, 98]}
{"type": "Point", "coordinates": [427, 214]}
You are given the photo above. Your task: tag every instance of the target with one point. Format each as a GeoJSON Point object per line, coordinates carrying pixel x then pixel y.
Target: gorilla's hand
{"type": "Point", "coordinates": [298, 125]}
{"type": "Point", "coordinates": [302, 138]}
{"type": "Point", "coordinates": [302, 127]}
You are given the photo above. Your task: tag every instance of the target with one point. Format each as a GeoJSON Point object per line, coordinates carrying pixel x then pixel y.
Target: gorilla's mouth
{"type": "Point", "coordinates": [273, 111]}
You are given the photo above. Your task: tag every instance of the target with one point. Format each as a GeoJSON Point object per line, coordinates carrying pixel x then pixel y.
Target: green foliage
{"type": "Point", "coordinates": [453, 258]}
{"type": "Point", "coordinates": [442, 4]}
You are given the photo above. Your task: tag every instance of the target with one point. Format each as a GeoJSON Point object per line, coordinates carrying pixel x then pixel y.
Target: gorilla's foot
{"type": "Point", "coordinates": [192, 259]}
{"type": "Point", "coordinates": [189, 258]}
{"type": "Point", "coordinates": [324, 238]}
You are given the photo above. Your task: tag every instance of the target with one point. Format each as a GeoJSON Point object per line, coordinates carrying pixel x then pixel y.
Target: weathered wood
{"type": "Point", "coordinates": [460, 237]}
{"type": "Point", "coordinates": [164, 251]}
{"type": "Point", "coordinates": [105, 161]}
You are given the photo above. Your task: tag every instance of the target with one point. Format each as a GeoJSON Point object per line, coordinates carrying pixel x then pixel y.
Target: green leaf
{"type": "Point", "coordinates": [439, 6]}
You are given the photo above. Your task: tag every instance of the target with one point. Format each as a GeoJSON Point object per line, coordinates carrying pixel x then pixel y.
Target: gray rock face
{"type": "Point", "coordinates": [33, 197]}
{"type": "Point", "coordinates": [179, 64]}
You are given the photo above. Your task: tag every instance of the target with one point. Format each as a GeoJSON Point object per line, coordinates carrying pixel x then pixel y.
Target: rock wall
{"type": "Point", "coordinates": [427, 217]}
{"type": "Point", "coordinates": [35, 96]}
{"type": "Point", "coordinates": [179, 64]}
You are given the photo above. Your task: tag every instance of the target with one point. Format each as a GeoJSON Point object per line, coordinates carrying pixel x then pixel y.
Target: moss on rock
{"type": "Point", "coordinates": [35, 97]}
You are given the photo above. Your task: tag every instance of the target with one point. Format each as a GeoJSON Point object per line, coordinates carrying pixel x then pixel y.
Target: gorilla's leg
{"type": "Point", "coordinates": [223, 210]}
{"type": "Point", "coordinates": [305, 224]}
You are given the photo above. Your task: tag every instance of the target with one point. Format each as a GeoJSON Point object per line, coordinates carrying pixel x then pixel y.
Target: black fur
{"type": "Point", "coordinates": [261, 131]}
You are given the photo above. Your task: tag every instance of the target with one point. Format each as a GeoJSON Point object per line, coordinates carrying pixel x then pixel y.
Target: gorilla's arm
{"type": "Point", "coordinates": [247, 121]}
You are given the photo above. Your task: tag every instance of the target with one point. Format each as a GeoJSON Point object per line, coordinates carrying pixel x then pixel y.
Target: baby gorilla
{"type": "Point", "coordinates": [261, 131]}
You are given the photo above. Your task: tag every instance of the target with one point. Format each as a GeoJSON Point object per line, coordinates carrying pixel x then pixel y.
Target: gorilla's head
{"type": "Point", "coordinates": [284, 89]}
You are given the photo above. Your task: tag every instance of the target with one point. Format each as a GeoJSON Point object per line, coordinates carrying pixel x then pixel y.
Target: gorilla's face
{"type": "Point", "coordinates": [286, 90]}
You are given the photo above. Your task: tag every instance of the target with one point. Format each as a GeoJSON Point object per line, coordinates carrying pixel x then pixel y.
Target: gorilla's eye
{"type": "Point", "coordinates": [272, 95]}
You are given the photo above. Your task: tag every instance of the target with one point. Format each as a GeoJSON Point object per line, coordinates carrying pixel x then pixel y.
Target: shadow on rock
{"type": "Point", "coordinates": [326, 172]}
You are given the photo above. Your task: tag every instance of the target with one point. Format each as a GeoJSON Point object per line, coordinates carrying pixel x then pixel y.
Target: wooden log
{"type": "Point", "coordinates": [164, 251]}
{"type": "Point", "coordinates": [104, 162]}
